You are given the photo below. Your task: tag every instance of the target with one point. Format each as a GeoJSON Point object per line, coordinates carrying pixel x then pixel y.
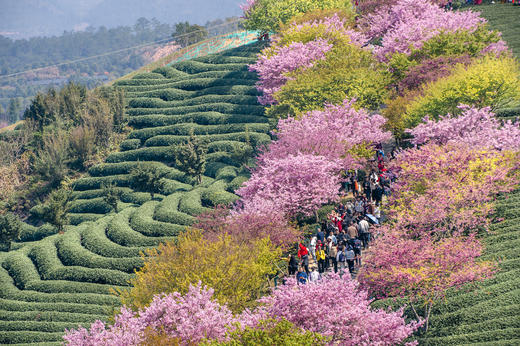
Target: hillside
{"type": "Point", "coordinates": [488, 315]}
{"type": "Point", "coordinates": [61, 281]}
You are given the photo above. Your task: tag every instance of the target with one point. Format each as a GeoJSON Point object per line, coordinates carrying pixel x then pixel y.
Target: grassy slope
{"type": "Point", "coordinates": [506, 19]}
{"type": "Point", "coordinates": [489, 314]}
{"type": "Point", "coordinates": [61, 281]}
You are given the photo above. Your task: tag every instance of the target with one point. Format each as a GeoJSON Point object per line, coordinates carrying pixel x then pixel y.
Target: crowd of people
{"type": "Point", "coordinates": [340, 239]}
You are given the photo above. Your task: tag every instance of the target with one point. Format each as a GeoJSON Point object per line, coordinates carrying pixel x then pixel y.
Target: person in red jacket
{"type": "Point", "coordinates": [303, 254]}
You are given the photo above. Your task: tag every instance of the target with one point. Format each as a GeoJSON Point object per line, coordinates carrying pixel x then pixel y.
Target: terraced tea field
{"type": "Point", "coordinates": [49, 282]}
{"type": "Point", "coordinates": [489, 315]}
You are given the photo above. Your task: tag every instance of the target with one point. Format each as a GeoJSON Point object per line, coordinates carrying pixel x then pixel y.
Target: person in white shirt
{"type": "Point", "coordinates": [315, 276]}
{"type": "Point", "coordinates": [313, 247]}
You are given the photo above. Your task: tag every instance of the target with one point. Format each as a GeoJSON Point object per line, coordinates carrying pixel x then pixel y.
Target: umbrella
{"type": "Point", "coordinates": [372, 219]}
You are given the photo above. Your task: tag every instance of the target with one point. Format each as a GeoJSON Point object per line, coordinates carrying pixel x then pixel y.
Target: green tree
{"type": "Point", "coordinates": [10, 227]}
{"type": "Point", "coordinates": [38, 112]}
{"type": "Point", "coordinates": [111, 195]}
{"type": "Point", "coordinates": [191, 156]}
{"type": "Point", "coordinates": [13, 110]}
{"type": "Point", "coordinates": [187, 34]}
{"type": "Point", "coordinates": [50, 163]}
{"type": "Point", "coordinates": [147, 178]}
{"type": "Point", "coordinates": [269, 15]}
{"type": "Point", "coordinates": [56, 208]}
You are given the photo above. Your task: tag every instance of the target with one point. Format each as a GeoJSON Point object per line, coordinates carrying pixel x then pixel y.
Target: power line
{"type": "Point", "coordinates": [5, 76]}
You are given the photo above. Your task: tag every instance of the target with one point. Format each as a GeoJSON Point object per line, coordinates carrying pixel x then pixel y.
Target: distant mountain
{"type": "Point", "coordinates": [26, 18]}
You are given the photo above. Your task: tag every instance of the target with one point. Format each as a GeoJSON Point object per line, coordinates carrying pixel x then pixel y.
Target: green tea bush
{"type": "Point", "coordinates": [171, 72]}
{"type": "Point", "coordinates": [213, 198]}
{"type": "Point", "coordinates": [226, 173]}
{"type": "Point", "coordinates": [192, 66]}
{"type": "Point", "coordinates": [48, 316]}
{"type": "Point", "coordinates": [45, 257]}
{"type": "Point", "coordinates": [142, 221]}
{"type": "Point", "coordinates": [95, 183]}
{"type": "Point", "coordinates": [31, 233]}
{"type": "Point", "coordinates": [236, 183]}
{"type": "Point", "coordinates": [221, 59]}
{"type": "Point", "coordinates": [166, 140]}
{"type": "Point", "coordinates": [191, 203]}
{"type": "Point", "coordinates": [95, 240]}
{"type": "Point", "coordinates": [130, 144]}
{"type": "Point", "coordinates": [120, 232]}
{"type": "Point", "coordinates": [90, 206]}
{"type": "Point", "coordinates": [201, 118]}
{"type": "Point", "coordinates": [167, 211]}
{"type": "Point", "coordinates": [222, 107]}
{"type": "Point", "coordinates": [148, 75]}
{"type": "Point", "coordinates": [26, 336]}
{"type": "Point", "coordinates": [142, 154]}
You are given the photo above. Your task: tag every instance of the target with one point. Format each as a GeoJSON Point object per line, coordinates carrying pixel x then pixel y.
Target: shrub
{"type": "Point", "coordinates": [267, 15]}
{"type": "Point", "coordinates": [347, 72]}
{"type": "Point", "coordinates": [488, 82]}
{"type": "Point", "coordinates": [146, 178]}
{"type": "Point", "coordinates": [130, 144]}
{"type": "Point", "coordinates": [218, 264]}
{"type": "Point", "coordinates": [10, 228]}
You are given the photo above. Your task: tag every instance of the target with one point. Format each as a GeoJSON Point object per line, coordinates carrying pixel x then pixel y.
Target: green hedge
{"type": "Point", "coordinates": [48, 316]}
{"type": "Point", "coordinates": [191, 84]}
{"type": "Point", "coordinates": [130, 144]}
{"type": "Point", "coordinates": [90, 206]}
{"type": "Point", "coordinates": [72, 253]}
{"type": "Point", "coordinates": [149, 102]}
{"type": "Point", "coordinates": [213, 198]}
{"type": "Point", "coordinates": [141, 221]}
{"type": "Point", "coordinates": [486, 336]}
{"type": "Point", "coordinates": [171, 73]}
{"type": "Point", "coordinates": [192, 66]}
{"type": "Point", "coordinates": [219, 59]}
{"type": "Point", "coordinates": [187, 128]}
{"type": "Point", "coordinates": [148, 75]}
{"type": "Point", "coordinates": [167, 140]}
{"type": "Point", "coordinates": [120, 232]}
{"type": "Point", "coordinates": [95, 183]}
{"type": "Point", "coordinates": [200, 118]}
{"type": "Point", "coordinates": [191, 203]}
{"type": "Point", "coordinates": [55, 307]}
{"type": "Point", "coordinates": [94, 239]}
{"type": "Point", "coordinates": [222, 107]}
{"type": "Point", "coordinates": [12, 337]}
{"type": "Point", "coordinates": [31, 233]}
{"type": "Point", "coordinates": [168, 94]}
{"type": "Point", "coordinates": [236, 183]}
{"type": "Point", "coordinates": [160, 154]}
{"type": "Point", "coordinates": [167, 211]}
{"type": "Point", "coordinates": [45, 257]}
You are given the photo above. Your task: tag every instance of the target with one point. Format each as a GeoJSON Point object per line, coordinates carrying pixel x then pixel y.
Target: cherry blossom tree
{"type": "Point", "coordinates": [335, 133]}
{"type": "Point", "coordinates": [190, 318]}
{"type": "Point", "coordinates": [409, 23]}
{"type": "Point", "coordinates": [475, 127]}
{"type": "Point", "coordinates": [422, 269]}
{"type": "Point", "coordinates": [272, 69]}
{"type": "Point", "coordinates": [336, 307]}
{"type": "Point", "coordinates": [295, 184]}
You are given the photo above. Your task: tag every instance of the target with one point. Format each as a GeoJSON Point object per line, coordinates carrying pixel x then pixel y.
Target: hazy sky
{"type": "Point", "coordinates": [24, 18]}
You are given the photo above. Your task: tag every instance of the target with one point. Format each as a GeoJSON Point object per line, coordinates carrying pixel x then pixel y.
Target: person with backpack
{"type": "Point", "coordinates": [301, 276]}
{"type": "Point", "coordinates": [315, 276]}
{"type": "Point", "coordinates": [293, 265]}
{"type": "Point", "coordinates": [303, 254]}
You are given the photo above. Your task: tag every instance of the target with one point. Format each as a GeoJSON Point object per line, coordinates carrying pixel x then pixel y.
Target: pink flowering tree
{"type": "Point", "coordinates": [294, 184]}
{"type": "Point", "coordinates": [272, 69]}
{"type": "Point", "coordinates": [475, 127]}
{"type": "Point", "coordinates": [445, 189]}
{"type": "Point", "coordinates": [422, 269]}
{"type": "Point", "coordinates": [250, 223]}
{"type": "Point", "coordinates": [189, 319]}
{"type": "Point", "coordinates": [336, 307]}
{"type": "Point", "coordinates": [408, 24]}
{"type": "Point", "coordinates": [337, 133]}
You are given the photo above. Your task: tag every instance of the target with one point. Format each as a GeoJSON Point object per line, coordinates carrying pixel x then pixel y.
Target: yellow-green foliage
{"type": "Point", "coordinates": [270, 15]}
{"type": "Point", "coordinates": [347, 71]}
{"type": "Point", "coordinates": [237, 271]}
{"type": "Point", "coordinates": [488, 82]}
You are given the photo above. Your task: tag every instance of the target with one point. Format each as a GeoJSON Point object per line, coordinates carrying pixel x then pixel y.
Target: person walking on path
{"type": "Point", "coordinates": [333, 253]}
{"type": "Point", "coordinates": [352, 231]}
{"type": "Point", "coordinates": [364, 234]}
{"type": "Point", "coordinates": [293, 264]}
{"type": "Point", "coordinates": [341, 259]}
{"type": "Point", "coordinates": [303, 254]}
{"type": "Point", "coordinates": [350, 256]}
{"type": "Point", "coordinates": [313, 247]}
{"type": "Point", "coordinates": [320, 255]}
